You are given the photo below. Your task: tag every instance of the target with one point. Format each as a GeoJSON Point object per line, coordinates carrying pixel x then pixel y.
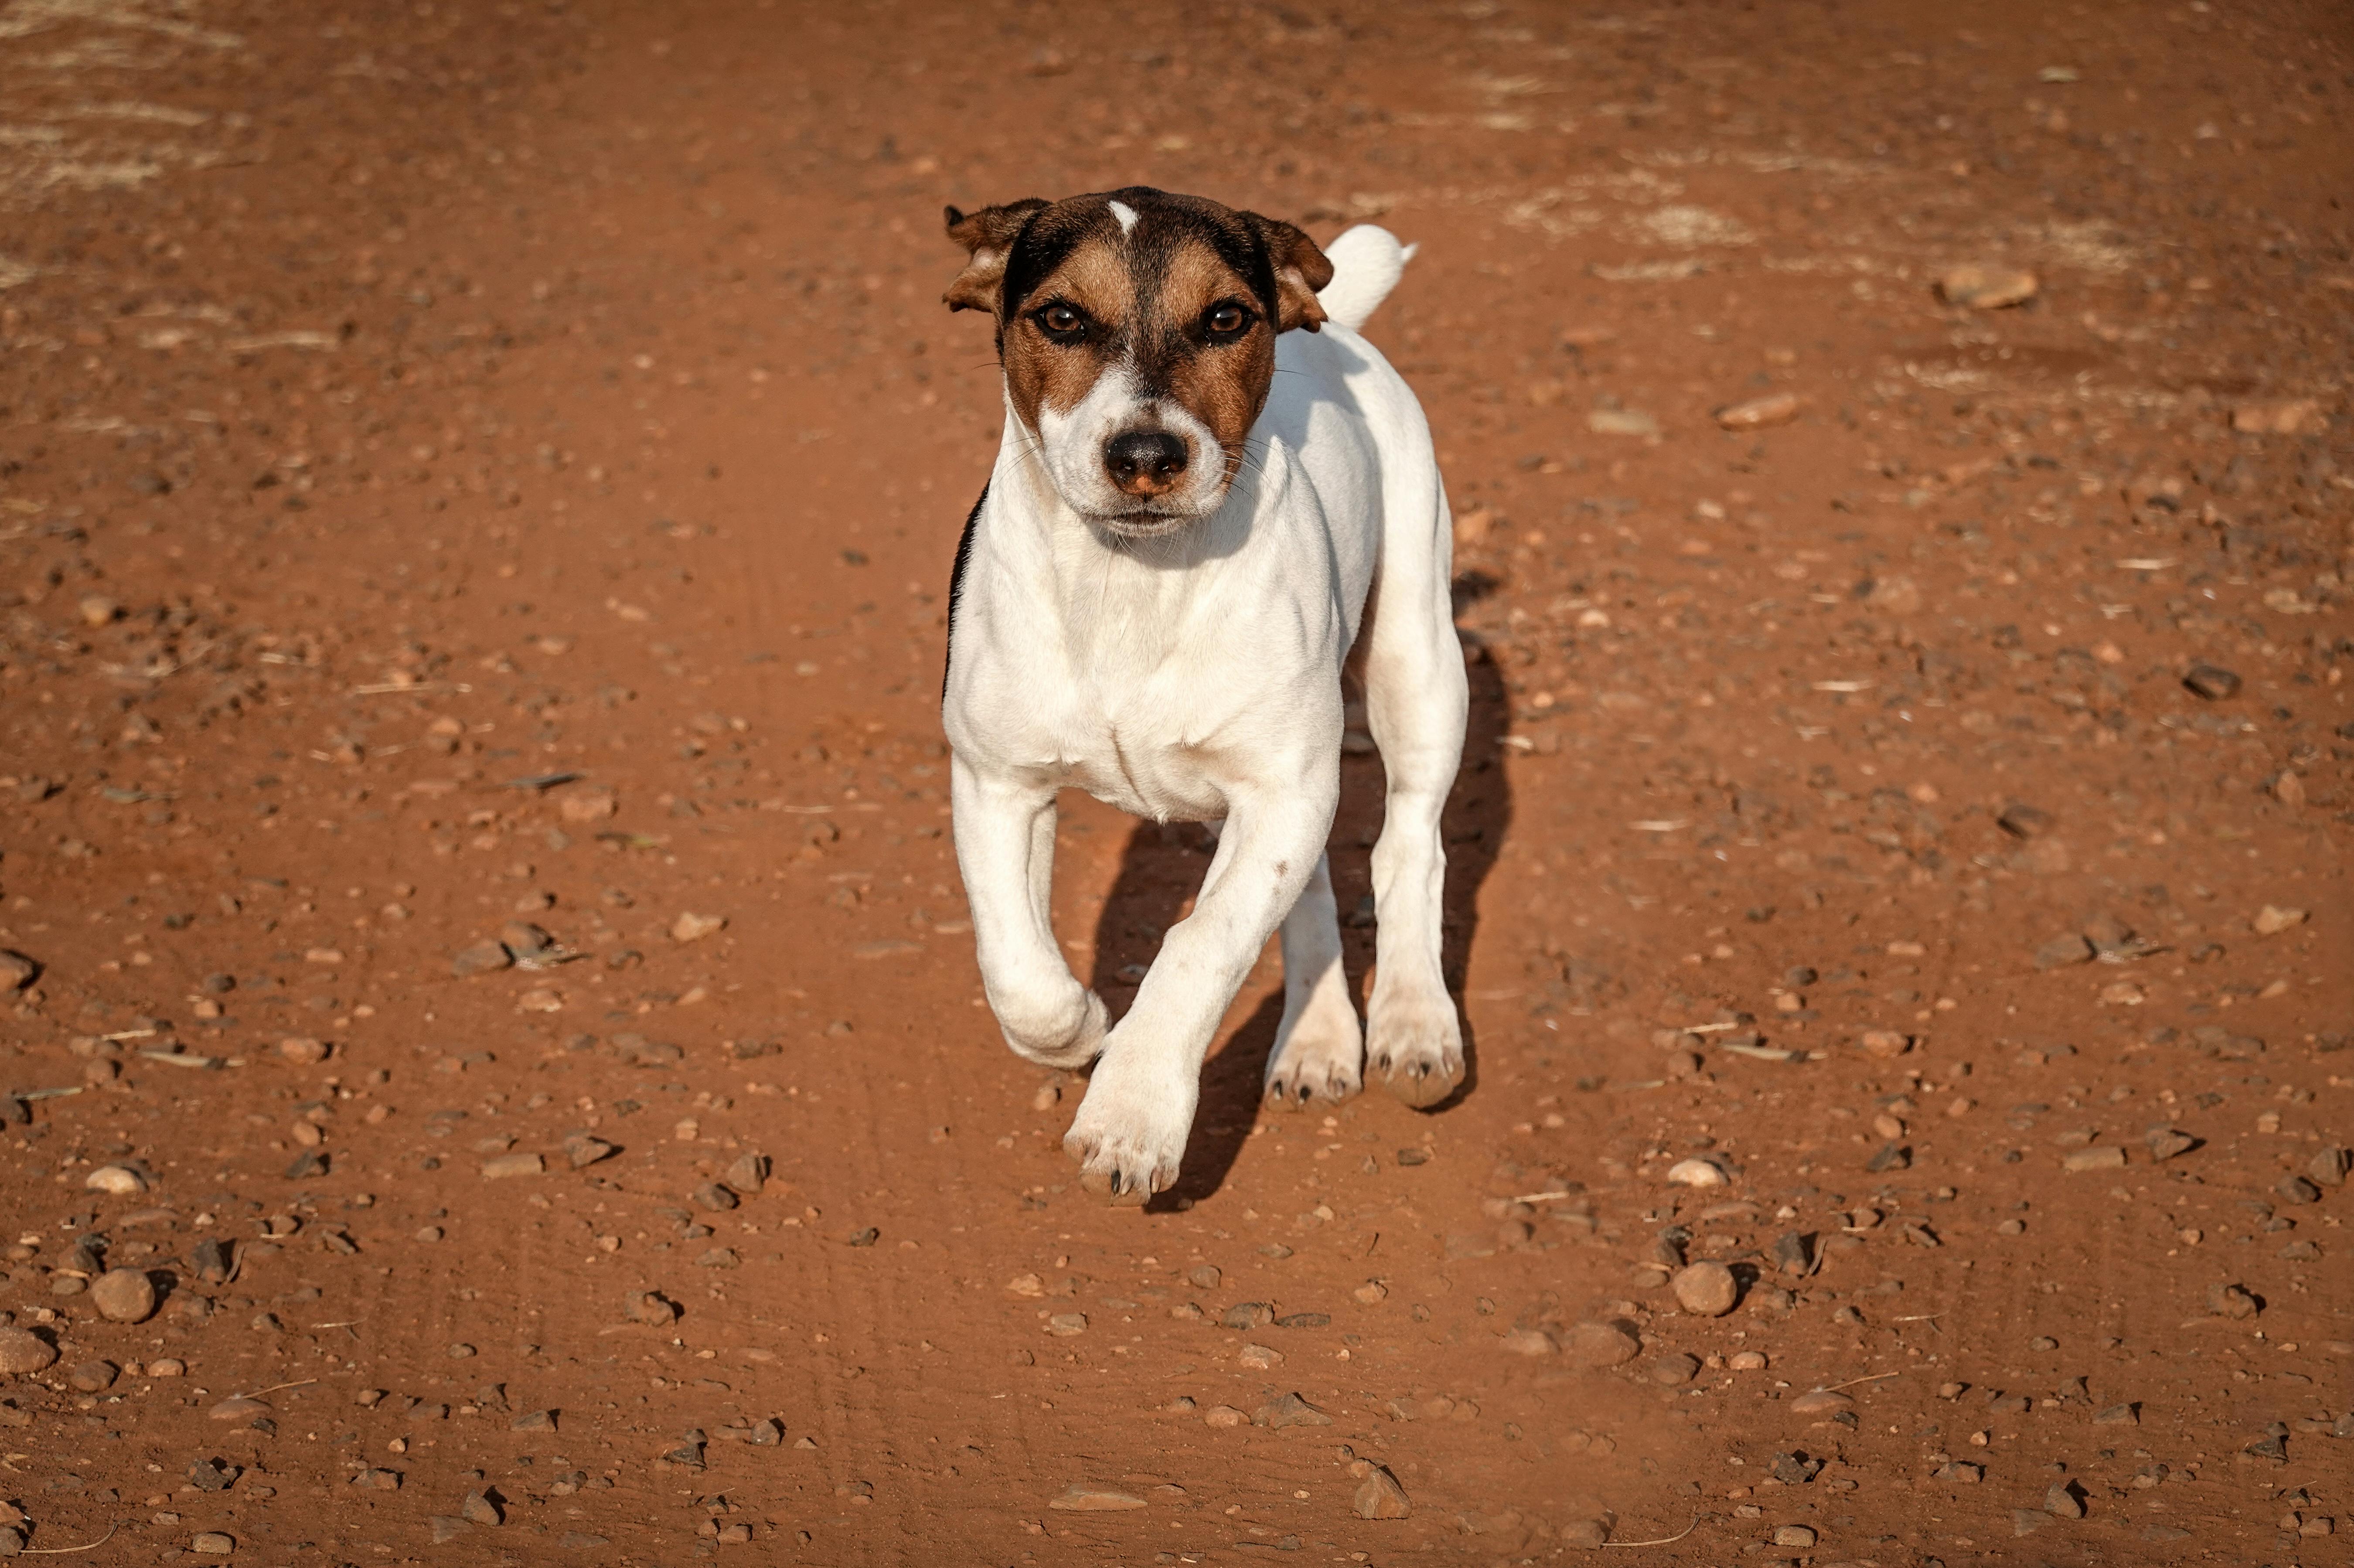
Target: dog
{"type": "Point", "coordinates": [1208, 491]}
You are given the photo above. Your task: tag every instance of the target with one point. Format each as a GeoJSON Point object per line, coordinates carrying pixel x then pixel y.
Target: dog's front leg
{"type": "Point", "coordinates": [1005, 849]}
{"type": "Point", "coordinates": [1130, 1132]}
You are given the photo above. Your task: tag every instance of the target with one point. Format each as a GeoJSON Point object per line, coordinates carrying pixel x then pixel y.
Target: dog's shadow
{"type": "Point", "coordinates": [1162, 867]}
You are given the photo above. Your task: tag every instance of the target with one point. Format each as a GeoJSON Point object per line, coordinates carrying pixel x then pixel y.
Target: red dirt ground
{"type": "Point", "coordinates": [473, 464]}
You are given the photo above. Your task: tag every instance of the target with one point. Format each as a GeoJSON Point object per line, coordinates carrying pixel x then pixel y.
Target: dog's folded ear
{"type": "Point", "coordinates": [1300, 268]}
{"type": "Point", "coordinates": [988, 234]}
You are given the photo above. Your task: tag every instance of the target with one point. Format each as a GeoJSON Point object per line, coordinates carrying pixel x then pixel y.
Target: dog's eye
{"type": "Point", "coordinates": [1226, 321]}
{"type": "Point", "coordinates": [1062, 323]}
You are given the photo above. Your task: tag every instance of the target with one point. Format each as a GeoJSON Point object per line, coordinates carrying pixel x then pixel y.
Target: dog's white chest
{"type": "Point", "coordinates": [1147, 688]}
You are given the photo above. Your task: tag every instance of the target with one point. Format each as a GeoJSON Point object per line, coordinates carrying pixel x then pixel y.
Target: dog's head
{"type": "Point", "coordinates": [1136, 330]}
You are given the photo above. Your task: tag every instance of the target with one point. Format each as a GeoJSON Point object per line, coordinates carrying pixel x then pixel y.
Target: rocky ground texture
{"type": "Point", "coordinates": [491, 1062]}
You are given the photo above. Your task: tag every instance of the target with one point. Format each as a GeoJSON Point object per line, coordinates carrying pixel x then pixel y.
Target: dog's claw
{"type": "Point", "coordinates": [1420, 1058]}
{"type": "Point", "coordinates": [1422, 1083]}
{"type": "Point", "coordinates": [1129, 1135]}
{"type": "Point", "coordinates": [1314, 1065]}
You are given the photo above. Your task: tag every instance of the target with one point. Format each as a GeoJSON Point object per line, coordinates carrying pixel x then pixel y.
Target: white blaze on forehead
{"type": "Point", "coordinates": [1126, 216]}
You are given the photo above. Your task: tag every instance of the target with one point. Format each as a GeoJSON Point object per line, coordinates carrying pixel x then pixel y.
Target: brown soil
{"type": "Point", "coordinates": [464, 466]}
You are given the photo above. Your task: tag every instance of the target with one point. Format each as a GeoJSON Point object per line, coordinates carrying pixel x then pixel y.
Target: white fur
{"type": "Point", "coordinates": [1195, 676]}
{"type": "Point", "coordinates": [1367, 262]}
{"type": "Point", "coordinates": [1125, 214]}
{"type": "Point", "coordinates": [1071, 445]}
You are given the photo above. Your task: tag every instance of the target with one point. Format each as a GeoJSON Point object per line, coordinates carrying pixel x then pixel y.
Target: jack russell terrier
{"type": "Point", "coordinates": [1195, 512]}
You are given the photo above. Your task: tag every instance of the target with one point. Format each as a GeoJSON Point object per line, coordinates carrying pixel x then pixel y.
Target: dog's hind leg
{"type": "Point", "coordinates": [1005, 849]}
{"type": "Point", "coordinates": [1319, 1051]}
{"type": "Point", "coordinates": [1417, 704]}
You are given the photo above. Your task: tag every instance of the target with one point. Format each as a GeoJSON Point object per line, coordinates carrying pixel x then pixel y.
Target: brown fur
{"type": "Point", "coordinates": [1042, 373]}
{"type": "Point", "coordinates": [986, 234]}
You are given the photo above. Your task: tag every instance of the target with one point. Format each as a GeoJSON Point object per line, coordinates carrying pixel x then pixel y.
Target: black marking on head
{"type": "Point", "coordinates": [1163, 219]}
{"type": "Point", "coordinates": [956, 585]}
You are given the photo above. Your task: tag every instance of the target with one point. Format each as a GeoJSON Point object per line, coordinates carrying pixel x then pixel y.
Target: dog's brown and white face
{"type": "Point", "coordinates": [1137, 331]}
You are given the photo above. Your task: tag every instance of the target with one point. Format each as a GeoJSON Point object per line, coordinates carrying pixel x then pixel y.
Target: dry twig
{"type": "Point", "coordinates": [60, 1550]}
{"type": "Point", "coordinates": [1663, 1541]}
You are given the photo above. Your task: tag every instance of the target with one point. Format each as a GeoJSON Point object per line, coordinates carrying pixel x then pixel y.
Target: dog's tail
{"type": "Point", "coordinates": [1367, 262]}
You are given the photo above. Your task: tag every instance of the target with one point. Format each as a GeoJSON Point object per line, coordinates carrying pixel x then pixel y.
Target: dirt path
{"type": "Point", "coordinates": [476, 490]}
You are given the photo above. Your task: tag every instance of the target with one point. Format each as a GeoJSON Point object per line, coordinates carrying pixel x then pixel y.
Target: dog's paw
{"type": "Point", "coordinates": [1416, 1043]}
{"type": "Point", "coordinates": [1320, 1061]}
{"type": "Point", "coordinates": [1130, 1135]}
{"type": "Point", "coordinates": [1060, 1043]}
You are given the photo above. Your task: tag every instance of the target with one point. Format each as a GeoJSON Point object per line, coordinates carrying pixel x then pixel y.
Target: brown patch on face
{"type": "Point", "coordinates": [1045, 371]}
{"type": "Point", "coordinates": [1221, 380]}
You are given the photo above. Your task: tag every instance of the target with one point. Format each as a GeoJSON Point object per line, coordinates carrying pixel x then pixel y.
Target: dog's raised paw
{"type": "Point", "coordinates": [1062, 1045]}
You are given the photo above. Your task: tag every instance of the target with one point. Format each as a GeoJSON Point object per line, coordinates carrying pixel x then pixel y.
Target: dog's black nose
{"type": "Point", "coordinates": [1144, 463]}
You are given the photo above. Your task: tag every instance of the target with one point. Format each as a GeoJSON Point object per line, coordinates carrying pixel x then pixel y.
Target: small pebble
{"type": "Point", "coordinates": [1706, 1289]}
{"type": "Point", "coordinates": [2062, 952]}
{"type": "Point", "coordinates": [1597, 1345]}
{"type": "Point", "coordinates": [1222, 1416]}
{"type": "Point", "coordinates": [648, 1307]}
{"type": "Point", "coordinates": [93, 1377]}
{"type": "Point", "coordinates": [1380, 1497]}
{"type": "Point", "coordinates": [2212, 682]}
{"type": "Point", "coordinates": [1776, 409]}
{"type": "Point", "coordinates": [1794, 1535]}
{"type": "Point", "coordinates": [1289, 1410]}
{"type": "Point", "coordinates": [694, 927]}
{"type": "Point", "coordinates": [2271, 920]}
{"type": "Point", "coordinates": [1675, 1369]}
{"type": "Point", "coordinates": [481, 959]}
{"type": "Point", "coordinates": [1081, 1498]}
{"type": "Point", "coordinates": [1987, 288]}
{"type": "Point", "coordinates": [1696, 1174]}
{"type": "Point", "coordinates": [213, 1543]}
{"type": "Point", "coordinates": [124, 1296]}
{"type": "Point", "coordinates": [582, 1150]}
{"type": "Point", "coordinates": [115, 1181]}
